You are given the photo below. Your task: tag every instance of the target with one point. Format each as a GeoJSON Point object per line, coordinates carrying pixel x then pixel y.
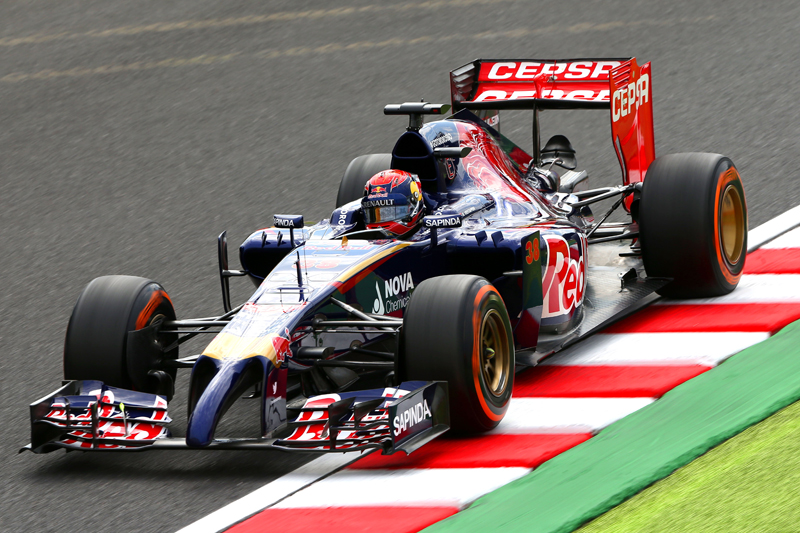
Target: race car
{"type": "Point", "coordinates": [447, 264]}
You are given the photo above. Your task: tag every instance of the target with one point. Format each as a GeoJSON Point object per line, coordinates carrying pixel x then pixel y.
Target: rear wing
{"type": "Point", "coordinates": [619, 85]}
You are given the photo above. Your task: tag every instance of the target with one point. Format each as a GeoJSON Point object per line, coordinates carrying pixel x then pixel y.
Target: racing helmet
{"type": "Point", "coordinates": [393, 202]}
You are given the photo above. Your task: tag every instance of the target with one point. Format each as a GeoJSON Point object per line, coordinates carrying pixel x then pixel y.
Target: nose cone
{"type": "Point", "coordinates": [230, 382]}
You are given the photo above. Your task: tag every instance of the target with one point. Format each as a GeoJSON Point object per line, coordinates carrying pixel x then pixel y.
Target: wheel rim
{"type": "Point", "coordinates": [495, 353]}
{"type": "Point", "coordinates": [731, 225]}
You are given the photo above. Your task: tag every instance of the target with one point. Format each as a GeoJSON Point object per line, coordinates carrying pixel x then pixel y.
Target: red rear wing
{"type": "Point", "coordinates": [632, 119]}
{"type": "Point", "coordinates": [619, 85]}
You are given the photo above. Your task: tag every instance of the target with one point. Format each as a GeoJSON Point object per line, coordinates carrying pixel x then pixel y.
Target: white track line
{"type": "Point", "coordinates": [754, 289]}
{"type": "Point", "coordinates": [424, 488]}
{"type": "Point", "coordinates": [777, 226]}
{"type": "Point", "coordinates": [790, 239]}
{"type": "Point", "coordinates": [631, 349]}
{"type": "Point", "coordinates": [566, 415]}
{"type": "Point", "coordinates": [270, 493]}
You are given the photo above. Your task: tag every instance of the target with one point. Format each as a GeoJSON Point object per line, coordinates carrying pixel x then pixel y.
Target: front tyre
{"type": "Point", "coordinates": [96, 345]}
{"type": "Point", "coordinates": [456, 329]}
{"type": "Point", "coordinates": [693, 224]}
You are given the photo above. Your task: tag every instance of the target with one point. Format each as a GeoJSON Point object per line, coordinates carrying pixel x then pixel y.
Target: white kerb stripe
{"type": "Point", "coordinates": [758, 288]}
{"type": "Point", "coordinates": [455, 487]}
{"type": "Point", "coordinates": [787, 240]}
{"type": "Point", "coordinates": [565, 415]}
{"type": "Point", "coordinates": [270, 493]}
{"type": "Point", "coordinates": [630, 349]}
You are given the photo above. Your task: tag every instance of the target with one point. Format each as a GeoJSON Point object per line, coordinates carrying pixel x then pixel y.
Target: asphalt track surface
{"type": "Point", "coordinates": [132, 133]}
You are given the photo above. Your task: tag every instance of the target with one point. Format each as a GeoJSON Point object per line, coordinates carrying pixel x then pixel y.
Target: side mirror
{"type": "Point", "coordinates": [442, 221]}
{"type": "Point", "coordinates": [288, 221]}
{"type": "Point", "coordinates": [445, 220]}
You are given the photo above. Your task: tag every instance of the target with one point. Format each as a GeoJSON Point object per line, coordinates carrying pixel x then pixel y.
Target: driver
{"type": "Point", "coordinates": [393, 202]}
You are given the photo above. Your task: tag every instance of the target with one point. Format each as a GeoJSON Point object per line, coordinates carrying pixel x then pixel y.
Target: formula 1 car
{"type": "Point", "coordinates": [357, 339]}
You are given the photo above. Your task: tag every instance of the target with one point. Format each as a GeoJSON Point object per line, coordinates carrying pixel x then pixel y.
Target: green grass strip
{"type": "Point", "coordinates": [748, 483]}
{"type": "Point", "coordinates": [644, 447]}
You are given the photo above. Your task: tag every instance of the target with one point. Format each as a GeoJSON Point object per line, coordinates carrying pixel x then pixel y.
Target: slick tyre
{"type": "Point", "coordinates": [358, 173]}
{"type": "Point", "coordinates": [693, 224]}
{"type": "Point", "coordinates": [456, 329]}
{"type": "Point", "coordinates": [96, 345]}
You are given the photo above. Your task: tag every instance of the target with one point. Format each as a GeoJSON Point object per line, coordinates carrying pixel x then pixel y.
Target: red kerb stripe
{"type": "Point", "coordinates": [712, 317]}
{"type": "Point", "coordinates": [773, 261]}
{"type": "Point", "coordinates": [344, 519]}
{"type": "Point", "coordinates": [480, 451]}
{"type": "Point", "coordinates": [603, 381]}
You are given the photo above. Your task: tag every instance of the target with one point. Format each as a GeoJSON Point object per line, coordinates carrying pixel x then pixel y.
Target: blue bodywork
{"type": "Point", "coordinates": [332, 269]}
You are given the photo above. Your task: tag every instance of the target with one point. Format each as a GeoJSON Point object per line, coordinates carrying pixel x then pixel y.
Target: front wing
{"type": "Point", "coordinates": [91, 416]}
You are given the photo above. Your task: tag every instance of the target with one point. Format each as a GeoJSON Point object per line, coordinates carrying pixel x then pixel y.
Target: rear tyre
{"type": "Point", "coordinates": [96, 345]}
{"type": "Point", "coordinates": [358, 173]}
{"type": "Point", "coordinates": [456, 329]}
{"type": "Point", "coordinates": [693, 224]}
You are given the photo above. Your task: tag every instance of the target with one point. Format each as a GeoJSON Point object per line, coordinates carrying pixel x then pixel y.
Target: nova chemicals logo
{"type": "Point", "coordinates": [395, 296]}
{"type": "Point", "coordinates": [377, 306]}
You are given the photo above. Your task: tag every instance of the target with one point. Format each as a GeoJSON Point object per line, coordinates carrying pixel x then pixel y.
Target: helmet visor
{"type": "Point", "coordinates": [390, 213]}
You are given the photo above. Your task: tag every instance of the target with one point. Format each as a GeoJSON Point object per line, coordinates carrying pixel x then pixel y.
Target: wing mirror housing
{"type": "Point", "coordinates": [443, 220]}
{"type": "Point", "coordinates": [292, 222]}
{"type": "Point", "coordinates": [288, 221]}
